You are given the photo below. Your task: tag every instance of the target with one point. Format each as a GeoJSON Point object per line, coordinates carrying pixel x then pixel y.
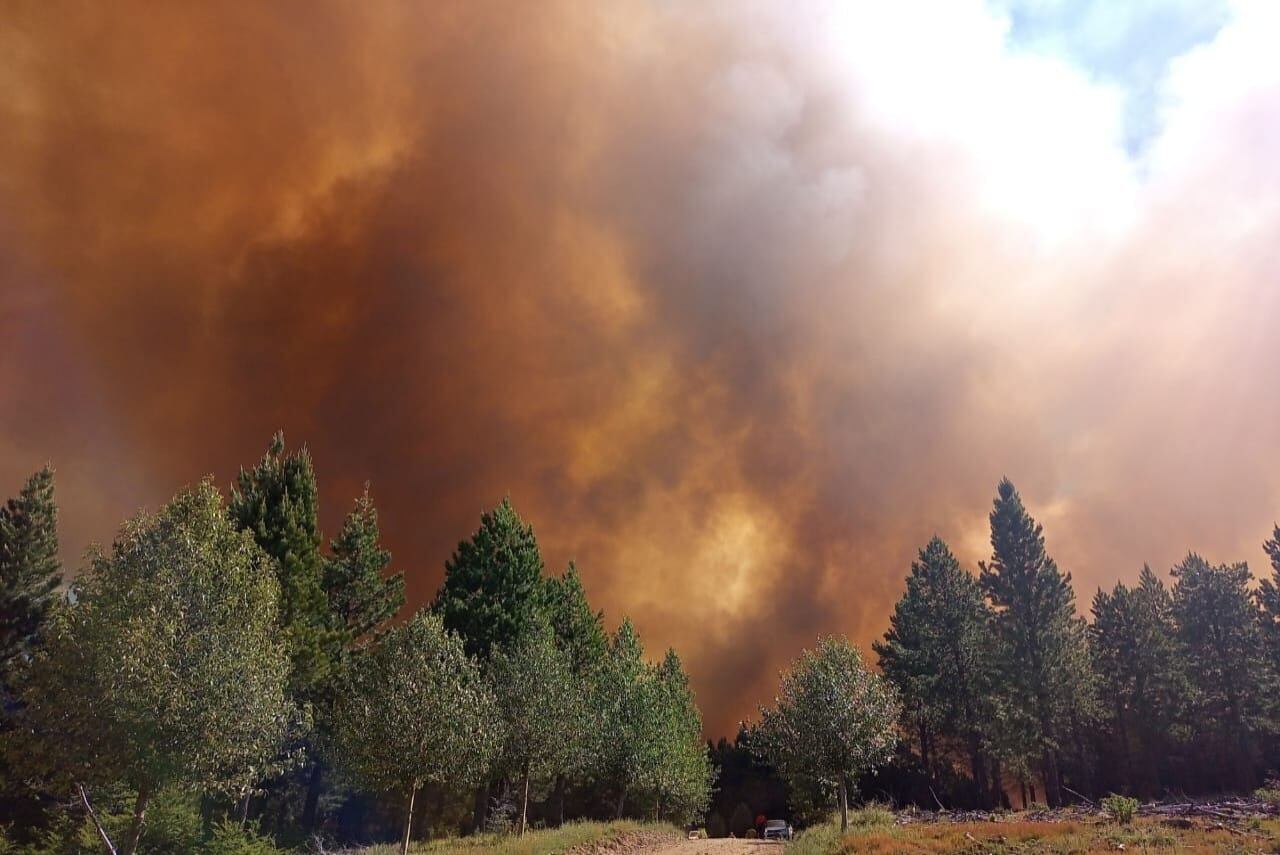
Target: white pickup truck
{"type": "Point", "coordinates": [777, 829]}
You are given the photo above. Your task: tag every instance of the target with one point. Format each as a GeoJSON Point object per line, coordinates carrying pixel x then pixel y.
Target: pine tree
{"type": "Point", "coordinates": [30, 573]}
{"type": "Point", "coordinates": [1044, 678]}
{"type": "Point", "coordinates": [362, 598]}
{"type": "Point", "coordinates": [1140, 682]}
{"type": "Point", "coordinates": [579, 631]}
{"type": "Point", "coordinates": [493, 587]}
{"type": "Point", "coordinates": [276, 501]}
{"type": "Point", "coordinates": [361, 595]}
{"type": "Point", "coordinates": [1218, 626]}
{"type": "Point", "coordinates": [1269, 604]}
{"type": "Point", "coordinates": [938, 653]}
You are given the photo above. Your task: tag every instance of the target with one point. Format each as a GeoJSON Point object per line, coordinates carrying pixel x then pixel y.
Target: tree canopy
{"type": "Point", "coordinates": [166, 667]}
{"type": "Point", "coordinates": [415, 711]}
{"type": "Point", "coordinates": [833, 719]}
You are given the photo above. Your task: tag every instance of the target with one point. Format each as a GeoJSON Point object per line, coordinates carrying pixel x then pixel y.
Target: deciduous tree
{"type": "Point", "coordinates": [416, 711]}
{"type": "Point", "coordinates": [833, 720]}
{"type": "Point", "coordinates": [166, 668]}
{"type": "Point", "coordinates": [543, 709]}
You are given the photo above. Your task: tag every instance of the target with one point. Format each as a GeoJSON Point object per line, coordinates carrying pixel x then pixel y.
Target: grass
{"type": "Point", "coordinates": [551, 841]}
{"type": "Point", "coordinates": [1015, 837]}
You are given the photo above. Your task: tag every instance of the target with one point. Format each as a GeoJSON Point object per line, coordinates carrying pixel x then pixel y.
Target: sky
{"type": "Point", "coordinates": [739, 302]}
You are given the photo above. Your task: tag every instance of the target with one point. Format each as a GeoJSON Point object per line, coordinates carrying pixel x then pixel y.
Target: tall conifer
{"type": "Point", "coordinates": [493, 587]}
{"type": "Point", "coordinates": [362, 596]}
{"type": "Point", "coordinates": [30, 572]}
{"type": "Point", "coordinates": [276, 501]}
{"type": "Point", "coordinates": [1218, 626]}
{"type": "Point", "coordinates": [1044, 677]}
{"type": "Point", "coordinates": [1140, 682]}
{"type": "Point", "coordinates": [938, 653]}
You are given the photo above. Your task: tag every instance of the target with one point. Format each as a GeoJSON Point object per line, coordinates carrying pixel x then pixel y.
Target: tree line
{"type": "Point", "coordinates": [1170, 688]}
{"type": "Point", "coordinates": [218, 660]}
{"type": "Point", "coordinates": [992, 684]}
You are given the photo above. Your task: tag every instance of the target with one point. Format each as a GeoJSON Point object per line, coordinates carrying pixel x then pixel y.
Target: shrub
{"type": "Point", "coordinates": [870, 815]}
{"type": "Point", "coordinates": [1121, 808]}
{"type": "Point", "coordinates": [230, 839]}
{"type": "Point", "coordinates": [1269, 793]}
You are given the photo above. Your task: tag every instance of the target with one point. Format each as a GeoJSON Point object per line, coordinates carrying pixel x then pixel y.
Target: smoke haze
{"type": "Point", "coordinates": [740, 303]}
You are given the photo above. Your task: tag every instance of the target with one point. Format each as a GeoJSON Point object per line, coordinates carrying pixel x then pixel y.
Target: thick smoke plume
{"type": "Point", "coordinates": [739, 304]}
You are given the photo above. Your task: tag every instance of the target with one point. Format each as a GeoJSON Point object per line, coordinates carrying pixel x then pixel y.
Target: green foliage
{"type": "Point", "coordinates": [228, 838]}
{"type": "Point", "coordinates": [166, 668]}
{"type": "Point", "coordinates": [1140, 680]}
{"type": "Point", "coordinates": [649, 742]}
{"type": "Point", "coordinates": [678, 772]}
{"type": "Point", "coordinates": [821, 839]}
{"type": "Point", "coordinates": [542, 708]}
{"type": "Point", "coordinates": [1269, 794]}
{"type": "Point", "coordinates": [30, 573]}
{"type": "Point", "coordinates": [1268, 596]}
{"type": "Point", "coordinates": [361, 595]}
{"type": "Point", "coordinates": [1218, 627]}
{"type": "Point", "coordinates": [938, 654]}
{"type": "Point", "coordinates": [833, 719]}
{"type": "Point", "coordinates": [1120, 808]}
{"type": "Point", "coordinates": [579, 631]}
{"type": "Point", "coordinates": [871, 815]}
{"type": "Point", "coordinates": [1041, 654]}
{"type": "Point", "coordinates": [493, 587]}
{"type": "Point", "coordinates": [414, 710]}
{"type": "Point", "coordinates": [716, 826]}
{"type": "Point", "coordinates": [277, 502]}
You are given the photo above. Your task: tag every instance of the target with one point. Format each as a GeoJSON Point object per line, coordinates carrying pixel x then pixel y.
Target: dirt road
{"type": "Point", "coordinates": [719, 846]}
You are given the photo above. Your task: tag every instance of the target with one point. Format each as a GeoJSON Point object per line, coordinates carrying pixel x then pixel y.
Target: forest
{"type": "Point", "coordinates": [220, 681]}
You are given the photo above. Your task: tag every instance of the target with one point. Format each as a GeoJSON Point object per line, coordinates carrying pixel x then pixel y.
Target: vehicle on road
{"type": "Point", "coordinates": [777, 829]}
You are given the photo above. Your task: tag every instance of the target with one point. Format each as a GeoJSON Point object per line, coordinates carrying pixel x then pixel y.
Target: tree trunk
{"type": "Point", "coordinates": [524, 802]}
{"type": "Point", "coordinates": [244, 807]}
{"type": "Point", "coordinates": [408, 821]}
{"type": "Point", "coordinates": [844, 806]}
{"type": "Point", "coordinates": [978, 770]}
{"type": "Point", "coordinates": [310, 808]}
{"type": "Point", "coordinates": [924, 751]}
{"type": "Point", "coordinates": [139, 818]}
{"type": "Point", "coordinates": [998, 796]}
{"type": "Point", "coordinates": [481, 807]}
{"type": "Point", "coordinates": [93, 816]}
{"type": "Point", "coordinates": [561, 786]}
{"type": "Point", "coordinates": [1052, 785]}
{"type": "Point", "coordinates": [622, 799]}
